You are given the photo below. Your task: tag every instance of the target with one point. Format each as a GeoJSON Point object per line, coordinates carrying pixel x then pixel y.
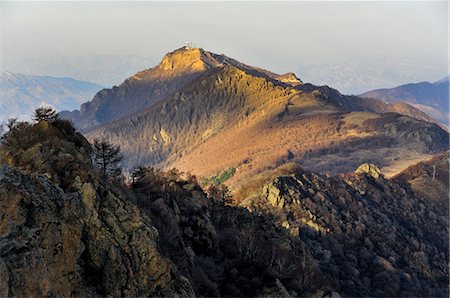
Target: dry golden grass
{"type": "Point", "coordinates": [357, 118]}
{"type": "Point", "coordinates": [409, 158]}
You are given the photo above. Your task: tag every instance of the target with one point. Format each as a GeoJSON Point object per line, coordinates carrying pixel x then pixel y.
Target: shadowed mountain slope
{"type": "Point", "coordinates": [372, 237]}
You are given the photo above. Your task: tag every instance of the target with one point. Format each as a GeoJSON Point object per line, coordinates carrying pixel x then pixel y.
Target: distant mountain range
{"type": "Point", "coordinates": [431, 98]}
{"type": "Point", "coordinates": [358, 77]}
{"type": "Point", "coordinates": [20, 94]}
{"type": "Point", "coordinates": [210, 114]}
{"type": "Point", "coordinates": [105, 70]}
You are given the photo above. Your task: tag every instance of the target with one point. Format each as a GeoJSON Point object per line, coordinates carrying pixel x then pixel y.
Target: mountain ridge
{"type": "Point", "coordinates": [21, 93]}
{"type": "Point", "coordinates": [431, 98]}
{"type": "Point", "coordinates": [204, 115]}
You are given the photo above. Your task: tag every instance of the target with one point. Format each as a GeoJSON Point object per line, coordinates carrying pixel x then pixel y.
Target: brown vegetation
{"type": "Point", "coordinates": [236, 116]}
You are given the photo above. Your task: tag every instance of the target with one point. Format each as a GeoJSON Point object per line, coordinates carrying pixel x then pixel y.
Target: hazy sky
{"type": "Point", "coordinates": [275, 35]}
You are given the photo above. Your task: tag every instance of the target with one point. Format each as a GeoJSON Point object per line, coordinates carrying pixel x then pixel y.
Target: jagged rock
{"type": "Point", "coordinates": [280, 193]}
{"type": "Point", "coordinates": [369, 169]}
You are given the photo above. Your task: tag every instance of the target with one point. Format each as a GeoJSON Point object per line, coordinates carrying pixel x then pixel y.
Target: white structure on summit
{"type": "Point", "coordinates": [189, 45]}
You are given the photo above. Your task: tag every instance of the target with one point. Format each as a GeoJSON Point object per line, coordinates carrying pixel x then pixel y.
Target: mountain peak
{"type": "Point", "coordinates": [184, 58]}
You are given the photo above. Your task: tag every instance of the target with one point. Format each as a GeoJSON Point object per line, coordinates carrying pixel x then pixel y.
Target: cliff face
{"type": "Point", "coordinates": [84, 243]}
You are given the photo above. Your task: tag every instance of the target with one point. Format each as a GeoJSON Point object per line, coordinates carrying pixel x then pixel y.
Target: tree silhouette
{"type": "Point", "coordinates": [45, 114]}
{"type": "Point", "coordinates": [219, 193]}
{"type": "Point", "coordinates": [107, 158]}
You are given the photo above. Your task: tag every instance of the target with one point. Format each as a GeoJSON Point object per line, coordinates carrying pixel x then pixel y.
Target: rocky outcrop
{"type": "Point", "coordinates": [370, 236]}
{"type": "Point", "coordinates": [40, 237]}
{"type": "Point", "coordinates": [86, 243]}
{"type": "Point", "coordinates": [369, 169]}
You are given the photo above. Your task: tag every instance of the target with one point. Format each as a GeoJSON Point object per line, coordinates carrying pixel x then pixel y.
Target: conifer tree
{"type": "Point", "coordinates": [45, 114]}
{"type": "Point", "coordinates": [107, 158]}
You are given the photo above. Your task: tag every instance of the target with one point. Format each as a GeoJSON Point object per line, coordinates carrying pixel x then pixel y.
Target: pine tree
{"type": "Point", "coordinates": [107, 158]}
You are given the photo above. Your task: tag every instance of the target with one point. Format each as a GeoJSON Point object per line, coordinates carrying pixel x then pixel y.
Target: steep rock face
{"type": "Point", "coordinates": [85, 243]}
{"type": "Point", "coordinates": [40, 237]}
{"type": "Point", "coordinates": [370, 236]}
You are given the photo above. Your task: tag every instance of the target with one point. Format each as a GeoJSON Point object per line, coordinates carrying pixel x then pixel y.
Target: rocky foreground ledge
{"type": "Point", "coordinates": [51, 241]}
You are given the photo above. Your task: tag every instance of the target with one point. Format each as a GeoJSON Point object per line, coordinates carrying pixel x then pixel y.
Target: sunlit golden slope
{"type": "Point", "coordinates": [235, 116]}
{"type": "Point", "coordinates": [146, 88]}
